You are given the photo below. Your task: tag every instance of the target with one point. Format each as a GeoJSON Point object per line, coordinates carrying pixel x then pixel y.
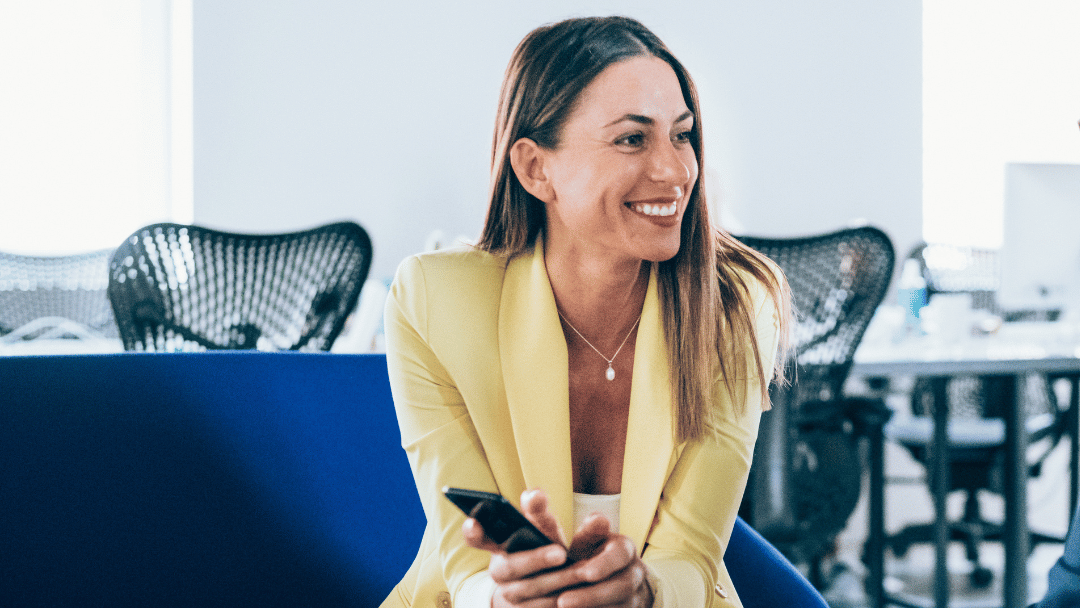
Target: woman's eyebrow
{"type": "Point", "coordinates": [645, 120]}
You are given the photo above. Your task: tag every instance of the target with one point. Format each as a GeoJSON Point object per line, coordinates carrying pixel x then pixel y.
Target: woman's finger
{"type": "Point", "coordinates": [589, 538]}
{"type": "Point", "coordinates": [508, 567]}
{"type": "Point", "coordinates": [545, 584]}
{"type": "Point", "coordinates": [625, 587]}
{"type": "Point", "coordinates": [499, 600]}
{"type": "Point", "coordinates": [534, 505]}
{"type": "Point", "coordinates": [475, 536]}
{"type": "Point", "coordinates": [616, 553]}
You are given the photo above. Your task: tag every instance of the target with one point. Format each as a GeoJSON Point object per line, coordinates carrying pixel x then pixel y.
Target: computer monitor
{"type": "Point", "coordinates": [1040, 253]}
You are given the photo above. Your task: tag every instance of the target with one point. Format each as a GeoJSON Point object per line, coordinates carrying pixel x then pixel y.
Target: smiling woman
{"type": "Point", "coordinates": [618, 182]}
{"type": "Point", "coordinates": [604, 352]}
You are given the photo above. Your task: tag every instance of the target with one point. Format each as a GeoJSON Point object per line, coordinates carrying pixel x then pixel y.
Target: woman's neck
{"type": "Point", "coordinates": [600, 298]}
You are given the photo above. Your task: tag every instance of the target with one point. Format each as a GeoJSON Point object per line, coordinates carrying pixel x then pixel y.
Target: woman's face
{"type": "Point", "coordinates": [622, 174]}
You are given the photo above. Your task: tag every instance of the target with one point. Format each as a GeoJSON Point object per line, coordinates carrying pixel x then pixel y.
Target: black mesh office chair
{"type": "Point", "coordinates": [181, 288]}
{"type": "Point", "coordinates": [976, 416]}
{"type": "Point", "coordinates": [39, 293]}
{"type": "Point", "coordinates": [807, 473]}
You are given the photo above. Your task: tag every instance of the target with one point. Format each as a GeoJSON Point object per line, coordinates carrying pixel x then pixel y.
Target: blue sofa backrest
{"type": "Point", "coordinates": [211, 479]}
{"type": "Point", "coordinates": [229, 478]}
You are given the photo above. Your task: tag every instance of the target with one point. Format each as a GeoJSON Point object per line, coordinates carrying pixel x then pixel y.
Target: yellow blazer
{"type": "Point", "coordinates": [478, 368]}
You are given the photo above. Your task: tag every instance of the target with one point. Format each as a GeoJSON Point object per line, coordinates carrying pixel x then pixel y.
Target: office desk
{"type": "Point", "coordinates": [1004, 358]}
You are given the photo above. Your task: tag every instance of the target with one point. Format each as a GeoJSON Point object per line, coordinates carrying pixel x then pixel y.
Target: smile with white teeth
{"type": "Point", "coordinates": [657, 210]}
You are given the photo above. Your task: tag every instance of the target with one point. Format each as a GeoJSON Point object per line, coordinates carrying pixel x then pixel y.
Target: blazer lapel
{"type": "Point", "coordinates": [534, 367]}
{"type": "Point", "coordinates": [650, 432]}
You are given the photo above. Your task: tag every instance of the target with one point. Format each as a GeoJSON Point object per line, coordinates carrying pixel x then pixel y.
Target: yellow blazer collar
{"type": "Point", "coordinates": [535, 374]}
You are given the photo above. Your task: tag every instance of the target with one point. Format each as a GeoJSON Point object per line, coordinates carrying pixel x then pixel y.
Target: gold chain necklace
{"type": "Point", "coordinates": [610, 374]}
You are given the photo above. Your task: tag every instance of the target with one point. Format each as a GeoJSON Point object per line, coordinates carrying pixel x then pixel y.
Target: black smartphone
{"type": "Point", "coordinates": [502, 522]}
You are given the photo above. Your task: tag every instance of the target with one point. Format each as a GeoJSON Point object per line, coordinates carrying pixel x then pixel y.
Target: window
{"type": "Point", "coordinates": [95, 121]}
{"type": "Point", "coordinates": [1000, 85]}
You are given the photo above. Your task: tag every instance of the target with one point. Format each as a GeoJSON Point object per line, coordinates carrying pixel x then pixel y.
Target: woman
{"type": "Point", "coordinates": [604, 352]}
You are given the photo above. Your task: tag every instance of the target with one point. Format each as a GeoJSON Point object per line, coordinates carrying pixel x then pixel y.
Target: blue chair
{"type": "Point", "coordinates": [1063, 580]}
{"type": "Point", "coordinates": [763, 576]}
{"type": "Point", "coordinates": [229, 478]}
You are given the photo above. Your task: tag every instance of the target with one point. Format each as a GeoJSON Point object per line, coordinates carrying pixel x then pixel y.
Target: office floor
{"type": "Point", "coordinates": [911, 578]}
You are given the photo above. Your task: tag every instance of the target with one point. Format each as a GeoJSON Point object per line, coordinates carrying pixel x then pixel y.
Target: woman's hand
{"type": "Point", "coordinates": [607, 569]}
{"type": "Point", "coordinates": [603, 569]}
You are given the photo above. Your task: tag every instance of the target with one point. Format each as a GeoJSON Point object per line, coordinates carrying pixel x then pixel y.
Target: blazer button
{"type": "Point", "coordinates": [719, 589]}
{"type": "Point", "coordinates": [442, 600]}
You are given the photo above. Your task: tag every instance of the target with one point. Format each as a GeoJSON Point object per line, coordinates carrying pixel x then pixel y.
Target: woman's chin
{"type": "Point", "coordinates": [659, 253]}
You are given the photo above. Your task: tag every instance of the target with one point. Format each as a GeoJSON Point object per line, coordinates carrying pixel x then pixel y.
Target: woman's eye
{"type": "Point", "coordinates": [683, 136]}
{"type": "Point", "coordinates": [634, 140]}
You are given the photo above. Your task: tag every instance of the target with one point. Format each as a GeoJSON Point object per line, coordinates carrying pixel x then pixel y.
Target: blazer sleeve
{"type": "Point", "coordinates": [437, 432]}
{"type": "Point", "coordinates": [701, 497]}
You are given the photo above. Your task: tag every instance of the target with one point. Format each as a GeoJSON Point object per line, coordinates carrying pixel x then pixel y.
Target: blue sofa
{"type": "Point", "coordinates": [226, 479]}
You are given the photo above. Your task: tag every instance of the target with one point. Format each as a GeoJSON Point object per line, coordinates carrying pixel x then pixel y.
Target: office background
{"type": "Point", "coordinates": [383, 112]}
{"type": "Point", "coordinates": [300, 113]}
{"type": "Point", "coordinates": [279, 115]}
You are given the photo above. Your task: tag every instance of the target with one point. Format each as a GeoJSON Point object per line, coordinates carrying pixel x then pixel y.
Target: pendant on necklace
{"type": "Point", "coordinates": [610, 372]}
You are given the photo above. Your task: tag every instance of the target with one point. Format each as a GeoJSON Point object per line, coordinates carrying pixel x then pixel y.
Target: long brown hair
{"type": "Point", "coordinates": [704, 293]}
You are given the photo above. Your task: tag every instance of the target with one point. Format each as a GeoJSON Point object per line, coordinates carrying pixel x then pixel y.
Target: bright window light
{"type": "Point", "coordinates": [94, 121]}
{"type": "Point", "coordinates": [1000, 85]}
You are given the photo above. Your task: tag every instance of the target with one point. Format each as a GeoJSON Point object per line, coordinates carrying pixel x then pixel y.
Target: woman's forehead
{"type": "Point", "coordinates": [643, 86]}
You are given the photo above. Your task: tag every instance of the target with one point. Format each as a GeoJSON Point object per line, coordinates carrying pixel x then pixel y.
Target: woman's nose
{"type": "Point", "coordinates": [668, 165]}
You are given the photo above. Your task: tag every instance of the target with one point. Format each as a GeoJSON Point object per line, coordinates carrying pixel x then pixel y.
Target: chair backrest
{"type": "Point", "coordinates": [71, 287]}
{"type": "Point", "coordinates": [837, 281]}
{"type": "Point", "coordinates": [176, 287]}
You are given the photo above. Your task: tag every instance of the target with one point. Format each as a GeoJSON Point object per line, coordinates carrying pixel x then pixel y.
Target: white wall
{"type": "Point", "coordinates": [382, 112]}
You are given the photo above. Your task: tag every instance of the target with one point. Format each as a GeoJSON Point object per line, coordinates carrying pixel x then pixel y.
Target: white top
{"type": "Point", "coordinates": [477, 590]}
{"type": "Point", "coordinates": [605, 504]}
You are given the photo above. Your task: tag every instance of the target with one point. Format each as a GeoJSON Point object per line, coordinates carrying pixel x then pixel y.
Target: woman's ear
{"type": "Point", "coordinates": [527, 159]}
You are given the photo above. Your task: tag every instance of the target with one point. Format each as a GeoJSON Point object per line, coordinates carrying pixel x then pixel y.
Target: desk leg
{"type": "Point", "coordinates": [875, 547]}
{"type": "Point", "coordinates": [1073, 420]}
{"type": "Point", "coordinates": [1072, 429]}
{"type": "Point", "coordinates": [1008, 389]}
{"type": "Point", "coordinates": [940, 460]}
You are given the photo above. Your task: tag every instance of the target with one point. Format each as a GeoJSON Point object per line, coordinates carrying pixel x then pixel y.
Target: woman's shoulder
{"type": "Point", "coordinates": [455, 279]}
{"type": "Point", "coordinates": [455, 266]}
{"type": "Point", "coordinates": [451, 295]}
